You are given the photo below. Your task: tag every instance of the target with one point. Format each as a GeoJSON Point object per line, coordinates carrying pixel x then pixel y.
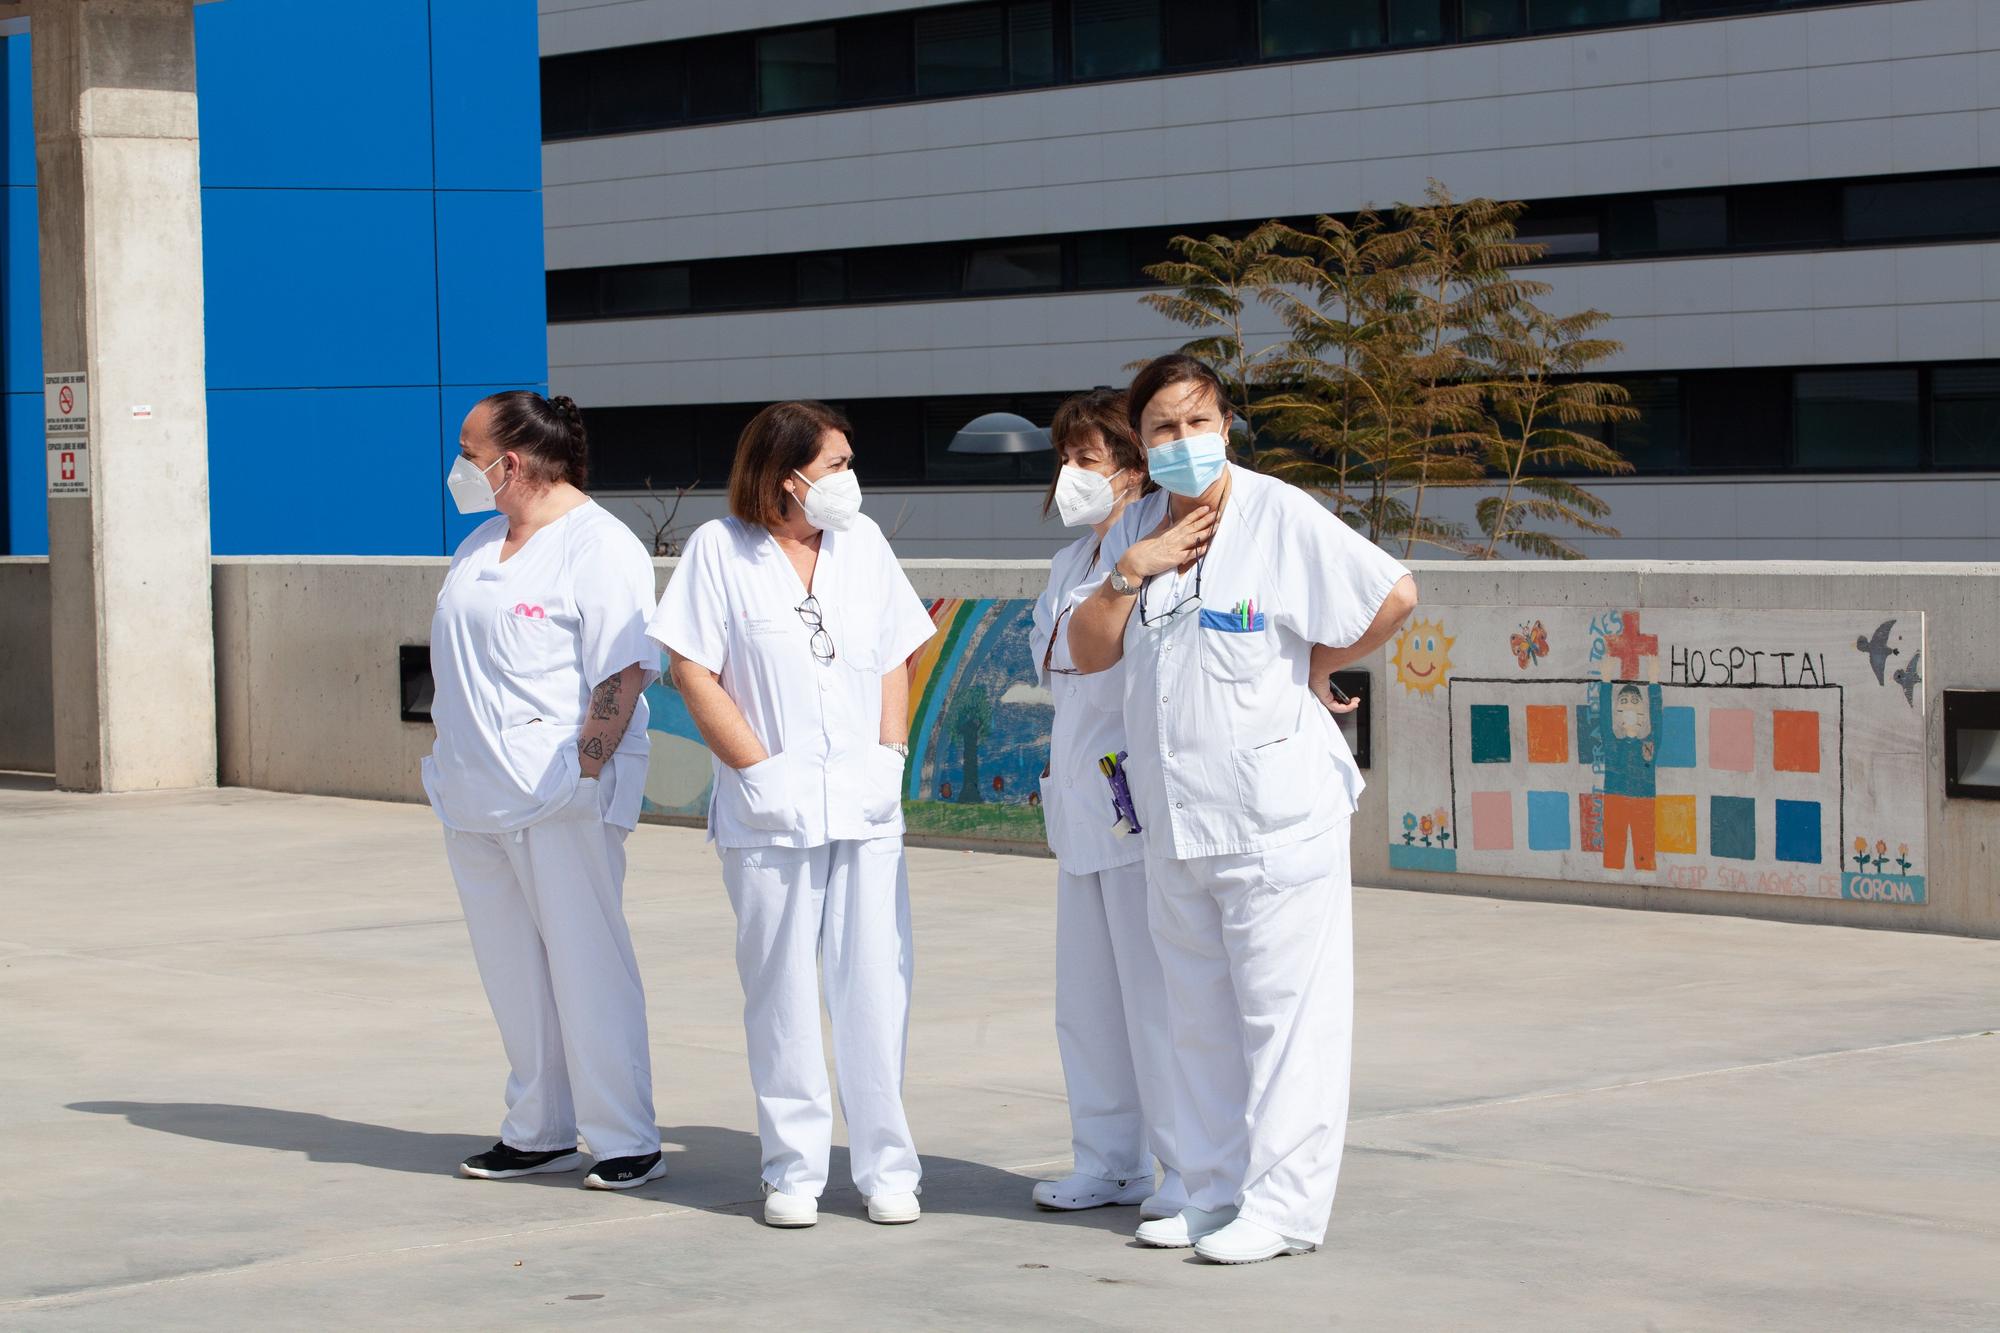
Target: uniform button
{"type": "Point", "coordinates": [1165, 700]}
{"type": "Point", "coordinates": [1177, 805]}
{"type": "Point", "coordinates": [1170, 754]}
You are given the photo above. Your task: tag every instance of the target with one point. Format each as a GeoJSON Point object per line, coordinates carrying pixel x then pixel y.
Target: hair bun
{"type": "Point", "coordinates": [565, 407]}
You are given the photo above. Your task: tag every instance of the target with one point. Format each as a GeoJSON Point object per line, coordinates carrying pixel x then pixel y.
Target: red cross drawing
{"type": "Point", "coordinates": [1630, 645]}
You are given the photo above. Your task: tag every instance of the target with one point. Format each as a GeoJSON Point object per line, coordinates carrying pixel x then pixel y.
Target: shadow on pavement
{"type": "Point", "coordinates": [710, 1167]}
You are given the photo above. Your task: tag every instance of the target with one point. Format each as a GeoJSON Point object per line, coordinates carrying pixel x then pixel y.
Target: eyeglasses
{"type": "Point", "coordinates": [822, 642]}
{"type": "Point", "coordinates": [1049, 666]}
{"type": "Point", "coordinates": [1192, 599]}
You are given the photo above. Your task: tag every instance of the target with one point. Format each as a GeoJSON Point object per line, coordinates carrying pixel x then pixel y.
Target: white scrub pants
{"type": "Point", "coordinates": [1258, 954]}
{"type": "Point", "coordinates": [845, 906]}
{"type": "Point", "coordinates": [1111, 1026]}
{"type": "Point", "coordinates": [545, 910]}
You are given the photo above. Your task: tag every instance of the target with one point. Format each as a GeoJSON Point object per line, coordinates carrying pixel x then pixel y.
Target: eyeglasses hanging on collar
{"type": "Point", "coordinates": [1049, 666]}
{"type": "Point", "coordinates": [1192, 599]}
{"type": "Point", "coordinates": [822, 642]}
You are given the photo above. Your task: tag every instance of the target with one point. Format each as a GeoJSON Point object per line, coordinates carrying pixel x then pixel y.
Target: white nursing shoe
{"type": "Point", "coordinates": [1183, 1228]}
{"type": "Point", "coordinates": [1171, 1198]}
{"type": "Point", "coordinates": [788, 1210]}
{"type": "Point", "coordinates": [893, 1209]}
{"type": "Point", "coordinates": [1245, 1242]}
{"type": "Point", "coordinates": [1081, 1191]}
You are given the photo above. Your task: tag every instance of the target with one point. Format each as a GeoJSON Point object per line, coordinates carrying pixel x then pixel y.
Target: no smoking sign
{"type": "Point", "coordinates": [66, 405]}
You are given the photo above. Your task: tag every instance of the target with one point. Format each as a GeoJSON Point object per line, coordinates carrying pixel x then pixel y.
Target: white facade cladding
{"type": "Point", "coordinates": [1794, 100]}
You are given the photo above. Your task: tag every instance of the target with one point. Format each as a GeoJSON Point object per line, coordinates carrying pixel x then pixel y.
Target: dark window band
{"type": "Point", "coordinates": [969, 49]}
{"type": "Point", "coordinates": [1809, 420]}
{"type": "Point", "coordinates": [1745, 219]}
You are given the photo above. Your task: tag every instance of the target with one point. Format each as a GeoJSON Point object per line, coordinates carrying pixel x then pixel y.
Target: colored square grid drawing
{"type": "Point", "coordinates": [1590, 821]}
{"type": "Point", "coordinates": [1797, 835]}
{"type": "Point", "coordinates": [1492, 821]}
{"type": "Point", "coordinates": [1676, 738]}
{"type": "Point", "coordinates": [1673, 824]}
{"type": "Point", "coordinates": [1732, 827]}
{"type": "Point", "coordinates": [1732, 740]}
{"type": "Point", "coordinates": [1795, 741]}
{"type": "Point", "coordinates": [1548, 821]}
{"type": "Point", "coordinates": [1586, 739]}
{"type": "Point", "coordinates": [1548, 739]}
{"type": "Point", "coordinates": [1491, 743]}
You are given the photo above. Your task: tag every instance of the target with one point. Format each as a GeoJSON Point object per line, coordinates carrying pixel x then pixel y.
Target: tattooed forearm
{"type": "Point", "coordinates": [604, 699]}
{"type": "Point", "coordinates": [592, 748]}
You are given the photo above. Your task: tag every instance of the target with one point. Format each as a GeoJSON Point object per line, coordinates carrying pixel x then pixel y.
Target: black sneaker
{"type": "Point", "coordinates": [624, 1173]}
{"type": "Point", "coordinates": [503, 1163]}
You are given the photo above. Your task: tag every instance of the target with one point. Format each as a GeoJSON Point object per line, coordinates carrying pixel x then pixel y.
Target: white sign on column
{"type": "Point", "coordinates": [66, 424]}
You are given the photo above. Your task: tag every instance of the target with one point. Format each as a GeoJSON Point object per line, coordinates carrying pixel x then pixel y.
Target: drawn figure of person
{"type": "Point", "coordinates": [1628, 731]}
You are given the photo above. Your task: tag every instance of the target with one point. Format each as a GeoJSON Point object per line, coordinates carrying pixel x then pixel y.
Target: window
{"type": "Point", "coordinates": [1103, 259]}
{"type": "Point", "coordinates": [1551, 15]}
{"type": "Point", "coordinates": [1773, 217]}
{"type": "Point", "coordinates": [1480, 19]}
{"type": "Point", "coordinates": [888, 439]}
{"type": "Point", "coordinates": [721, 78]}
{"type": "Point", "coordinates": [961, 50]}
{"type": "Point", "coordinates": [1014, 268]}
{"type": "Point", "coordinates": [877, 61]}
{"type": "Point", "coordinates": [1738, 420]}
{"type": "Point", "coordinates": [1202, 34]}
{"type": "Point", "coordinates": [1857, 419]}
{"type": "Point", "coordinates": [572, 293]}
{"type": "Point", "coordinates": [1031, 40]}
{"type": "Point", "coordinates": [796, 70]}
{"type": "Point", "coordinates": [1891, 209]}
{"type": "Point", "coordinates": [1965, 416]}
{"type": "Point", "coordinates": [748, 283]}
{"type": "Point", "coordinates": [1315, 27]}
{"type": "Point", "coordinates": [896, 273]}
{"type": "Point", "coordinates": [1676, 223]}
{"type": "Point", "coordinates": [1416, 22]}
{"type": "Point", "coordinates": [822, 279]}
{"type": "Point", "coordinates": [647, 289]}
{"type": "Point", "coordinates": [1568, 235]}
{"type": "Point", "coordinates": [605, 92]}
{"type": "Point", "coordinates": [1653, 443]}
{"type": "Point", "coordinates": [1114, 38]}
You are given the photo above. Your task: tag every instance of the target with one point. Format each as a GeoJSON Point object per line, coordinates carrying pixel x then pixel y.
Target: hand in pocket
{"type": "Point", "coordinates": [767, 796]}
{"type": "Point", "coordinates": [882, 796]}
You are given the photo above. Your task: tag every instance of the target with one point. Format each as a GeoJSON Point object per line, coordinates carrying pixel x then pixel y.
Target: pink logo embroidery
{"type": "Point", "coordinates": [523, 609]}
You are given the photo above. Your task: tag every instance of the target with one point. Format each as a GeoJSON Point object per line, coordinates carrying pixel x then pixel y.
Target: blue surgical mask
{"type": "Point", "coordinates": [1189, 466]}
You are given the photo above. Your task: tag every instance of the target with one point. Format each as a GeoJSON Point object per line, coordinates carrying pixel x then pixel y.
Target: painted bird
{"type": "Point", "coordinates": [1877, 647]}
{"type": "Point", "coordinates": [1908, 678]}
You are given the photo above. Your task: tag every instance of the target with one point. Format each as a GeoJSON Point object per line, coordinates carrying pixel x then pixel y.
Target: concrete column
{"type": "Point", "coordinates": [117, 154]}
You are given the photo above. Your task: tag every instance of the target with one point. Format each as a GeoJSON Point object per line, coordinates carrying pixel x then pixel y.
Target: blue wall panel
{"type": "Point", "coordinates": [323, 471]}
{"type": "Point", "coordinates": [491, 302]}
{"type": "Point", "coordinates": [27, 476]}
{"type": "Point", "coordinates": [17, 103]}
{"type": "Point", "coordinates": [310, 93]}
{"type": "Point", "coordinates": [486, 97]}
{"type": "Point", "coordinates": [20, 293]}
{"type": "Point", "coordinates": [317, 288]}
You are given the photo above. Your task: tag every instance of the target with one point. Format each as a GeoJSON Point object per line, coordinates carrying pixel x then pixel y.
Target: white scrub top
{"type": "Point", "coordinates": [1089, 724]}
{"type": "Point", "coordinates": [732, 608]}
{"type": "Point", "coordinates": [1231, 752]}
{"type": "Point", "coordinates": [517, 646]}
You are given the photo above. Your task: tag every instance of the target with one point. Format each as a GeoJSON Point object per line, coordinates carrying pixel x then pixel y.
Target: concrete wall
{"type": "Point", "coordinates": [307, 678]}
{"type": "Point", "coordinates": [27, 703]}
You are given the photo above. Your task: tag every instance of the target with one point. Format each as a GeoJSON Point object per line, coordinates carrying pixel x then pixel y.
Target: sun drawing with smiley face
{"type": "Point", "coordinates": [1423, 656]}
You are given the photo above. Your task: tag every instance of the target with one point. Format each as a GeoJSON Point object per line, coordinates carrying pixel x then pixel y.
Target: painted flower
{"type": "Point", "coordinates": [1860, 843]}
{"type": "Point", "coordinates": [1881, 847]}
{"type": "Point", "coordinates": [1424, 826]}
{"type": "Point", "coordinates": [1903, 849]}
{"type": "Point", "coordinates": [1440, 817]}
{"type": "Point", "coordinates": [1409, 823]}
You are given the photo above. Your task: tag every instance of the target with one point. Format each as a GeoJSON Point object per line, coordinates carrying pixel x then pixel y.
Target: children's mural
{"type": "Point", "coordinates": [979, 731]}
{"type": "Point", "coordinates": [1742, 751]}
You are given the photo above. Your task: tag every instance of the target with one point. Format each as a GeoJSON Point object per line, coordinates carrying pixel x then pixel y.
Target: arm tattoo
{"type": "Point", "coordinates": [604, 700]}
{"type": "Point", "coordinates": [592, 748]}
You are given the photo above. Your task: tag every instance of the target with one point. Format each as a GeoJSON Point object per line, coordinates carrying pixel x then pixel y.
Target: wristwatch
{"type": "Point", "coordinates": [898, 747]}
{"type": "Point", "coordinates": [1121, 585]}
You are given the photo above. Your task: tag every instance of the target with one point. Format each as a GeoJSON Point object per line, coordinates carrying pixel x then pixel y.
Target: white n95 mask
{"type": "Point", "coordinates": [832, 502]}
{"type": "Point", "coordinates": [470, 488]}
{"type": "Point", "coordinates": [1083, 498]}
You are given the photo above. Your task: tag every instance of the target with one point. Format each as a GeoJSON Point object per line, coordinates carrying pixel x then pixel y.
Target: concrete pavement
{"type": "Point", "coordinates": [244, 1044]}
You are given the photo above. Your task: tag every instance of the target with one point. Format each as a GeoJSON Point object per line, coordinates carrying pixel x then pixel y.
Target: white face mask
{"type": "Point", "coordinates": [1083, 498]}
{"type": "Point", "coordinates": [470, 488]}
{"type": "Point", "coordinates": [832, 502]}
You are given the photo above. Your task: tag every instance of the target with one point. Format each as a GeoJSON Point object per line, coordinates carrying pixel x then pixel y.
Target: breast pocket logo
{"type": "Point", "coordinates": [532, 612]}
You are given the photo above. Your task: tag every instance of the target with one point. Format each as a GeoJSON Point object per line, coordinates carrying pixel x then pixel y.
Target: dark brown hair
{"type": "Point", "coordinates": [546, 432]}
{"type": "Point", "coordinates": [782, 439]}
{"type": "Point", "coordinates": [1162, 371]}
{"type": "Point", "coordinates": [1103, 411]}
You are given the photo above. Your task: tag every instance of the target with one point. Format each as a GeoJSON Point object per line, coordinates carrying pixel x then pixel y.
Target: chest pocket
{"type": "Point", "coordinates": [1235, 655]}
{"type": "Point", "coordinates": [525, 647]}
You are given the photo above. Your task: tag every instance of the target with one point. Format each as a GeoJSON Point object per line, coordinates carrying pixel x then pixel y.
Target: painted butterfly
{"type": "Point", "coordinates": [1532, 642]}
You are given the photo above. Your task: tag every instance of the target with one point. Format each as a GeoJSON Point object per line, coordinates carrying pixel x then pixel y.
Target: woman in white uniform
{"type": "Point", "coordinates": [789, 626]}
{"type": "Point", "coordinates": [1231, 598]}
{"type": "Point", "coordinates": [1110, 1021]}
{"type": "Point", "coordinates": [540, 654]}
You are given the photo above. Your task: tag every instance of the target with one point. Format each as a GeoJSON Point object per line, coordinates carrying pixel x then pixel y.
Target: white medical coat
{"type": "Point", "coordinates": [517, 647]}
{"type": "Point", "coordinates": [1230, 750]}
{"type": "Point", "coordinates": [1089, 724]}
{"type": "Point", "coordinates": [732, 608]}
